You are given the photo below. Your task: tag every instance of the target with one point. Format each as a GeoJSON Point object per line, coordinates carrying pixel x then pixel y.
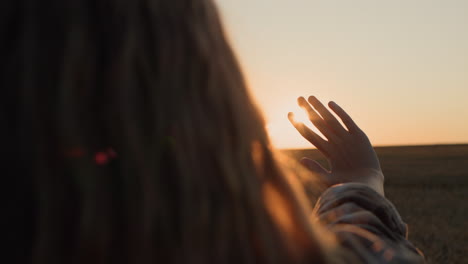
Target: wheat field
{"type": "Point", "coordinates": [429, 187]}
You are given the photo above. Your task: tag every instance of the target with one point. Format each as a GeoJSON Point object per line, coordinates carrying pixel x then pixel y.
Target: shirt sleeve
{"type": "Point", "coordinates": [366, 224]}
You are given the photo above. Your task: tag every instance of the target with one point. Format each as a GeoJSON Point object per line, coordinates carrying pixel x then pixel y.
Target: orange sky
{"type": "Point", "coordinates": [399, 67]}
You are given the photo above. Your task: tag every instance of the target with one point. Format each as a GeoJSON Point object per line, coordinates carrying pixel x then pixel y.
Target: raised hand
{"type": "Point", "coordinates": [348, 150]}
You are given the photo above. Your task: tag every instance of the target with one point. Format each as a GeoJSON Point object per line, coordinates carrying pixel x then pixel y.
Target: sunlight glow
{"type": "Point", "coordinates": [395, 66]}
{"type": "Point", "coordinates": [281, 131]}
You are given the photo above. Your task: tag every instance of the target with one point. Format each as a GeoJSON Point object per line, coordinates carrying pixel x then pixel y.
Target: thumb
{"type": "Point", "coordinates": [314, 166]}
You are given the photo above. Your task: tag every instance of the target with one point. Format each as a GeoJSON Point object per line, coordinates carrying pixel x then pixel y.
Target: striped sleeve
{"type": "Point", "coordinates": [366, 224]}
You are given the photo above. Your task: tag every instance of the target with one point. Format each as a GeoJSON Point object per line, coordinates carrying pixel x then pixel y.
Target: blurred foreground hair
{"type": "Point", "coordinates": [191, 178]}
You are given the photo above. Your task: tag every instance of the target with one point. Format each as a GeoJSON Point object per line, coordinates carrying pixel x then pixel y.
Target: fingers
{"type": "Point", "coordinates": [316, 119]}
{"type": "Point", "coordinates": [347, 120]}
{"type": "Point", "coordinates": [311, 136]}
{"type": "Point", "coordinates": [329, 118]}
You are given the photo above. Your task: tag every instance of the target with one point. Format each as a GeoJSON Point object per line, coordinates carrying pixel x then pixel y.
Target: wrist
{"type": "Point", "coordinates": [375, 179]}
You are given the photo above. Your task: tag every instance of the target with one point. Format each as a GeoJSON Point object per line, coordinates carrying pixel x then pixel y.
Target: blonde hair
{"type": "Point", "coordinates": [193, 178]}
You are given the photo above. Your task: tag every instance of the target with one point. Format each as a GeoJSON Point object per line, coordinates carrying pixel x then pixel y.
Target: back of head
{"type": "Point", "coordinates": [129, 136]}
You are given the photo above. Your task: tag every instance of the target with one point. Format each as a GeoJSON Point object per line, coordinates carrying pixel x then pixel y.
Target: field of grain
{"type": "Point", "coordinates": [429, 187]}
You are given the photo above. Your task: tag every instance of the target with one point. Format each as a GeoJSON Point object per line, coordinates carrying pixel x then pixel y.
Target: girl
{"type": "Point", "coordinates": [129, 136]}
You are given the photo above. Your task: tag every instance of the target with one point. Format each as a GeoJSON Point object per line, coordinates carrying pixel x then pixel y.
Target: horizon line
{"type": "Point", "coordinates": [395, 146]}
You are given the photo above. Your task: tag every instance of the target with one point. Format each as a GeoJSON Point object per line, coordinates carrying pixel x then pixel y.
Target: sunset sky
{"type": "Point", "coordinates": [399, 67]}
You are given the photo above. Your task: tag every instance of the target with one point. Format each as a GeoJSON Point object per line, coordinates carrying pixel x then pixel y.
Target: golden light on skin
{"type": "Point", "coordinates": [283, 134]}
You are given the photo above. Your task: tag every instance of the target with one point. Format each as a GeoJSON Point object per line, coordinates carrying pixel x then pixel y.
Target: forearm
{"type": "Point", "coordinates": [366, 223]}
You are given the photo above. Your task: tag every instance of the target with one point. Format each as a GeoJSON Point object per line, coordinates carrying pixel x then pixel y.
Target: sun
{"type": "Point", "coordinates": [282, 133]}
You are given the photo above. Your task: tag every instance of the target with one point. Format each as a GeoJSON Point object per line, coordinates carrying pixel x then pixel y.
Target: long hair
{"type": "Point", "coordinates": [129, 136]}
